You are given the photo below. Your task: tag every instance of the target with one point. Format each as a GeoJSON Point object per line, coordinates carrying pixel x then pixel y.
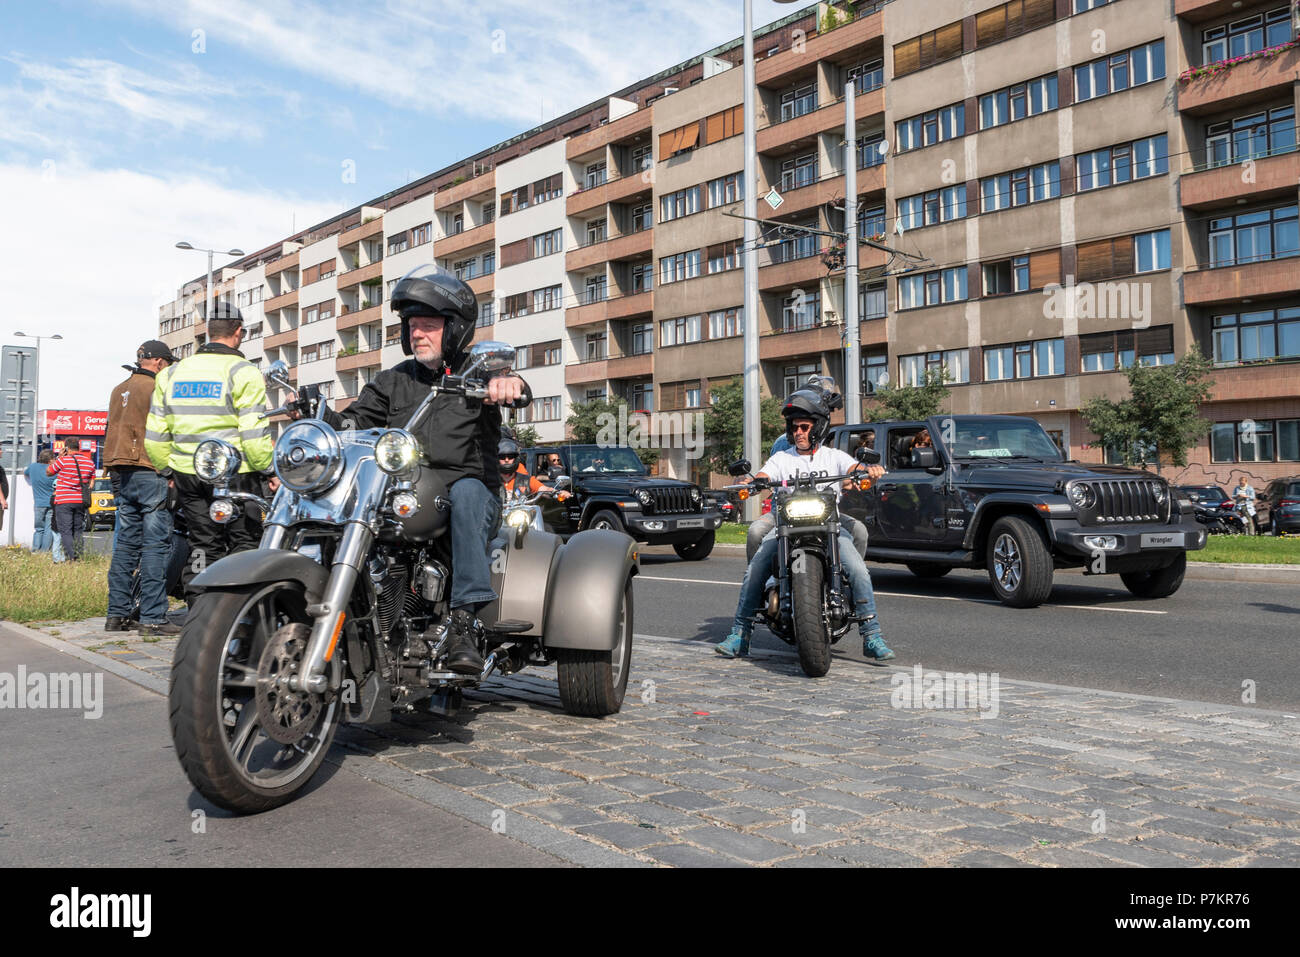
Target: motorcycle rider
{"type": "Point", "coordinates": [807, 414]}
{"type": "Point", "coordinates": [459, 435]}
{"type": "Point", "coordinates": [513, 472]}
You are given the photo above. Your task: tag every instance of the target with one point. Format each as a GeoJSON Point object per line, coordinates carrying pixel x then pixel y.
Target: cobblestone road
{"type": "Point", "coordinates": [724, 763]}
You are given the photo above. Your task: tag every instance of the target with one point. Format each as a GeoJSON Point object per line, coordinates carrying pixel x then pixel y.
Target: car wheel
{"type": "Point", "coordinates": [1160, 583]}
{"type": "Point", "coordinates": [1019, 563]}
{"type": "Point", "coordinates": [697, 550]}
{"type": "Point", "coordinates": [928, 569]}
{"type": "Point", "coordinates": [606, 518]}
{"type": "Point", "coordinates": [1277, 529]}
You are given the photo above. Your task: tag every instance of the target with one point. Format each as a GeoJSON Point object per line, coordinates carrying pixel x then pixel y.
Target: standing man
{"type": "Point", "coordinates": [144, 526]}
{"type": "Point", "coordinates": [75, 472]}
{"type": "Point", "coordinates": [214, 394]}
{"type": "Point", "coordinates": [42, 486]}
{"type": "Point", "coordinates": [4, 494]}
{"type": "Point", "coordinates": [1244, 497]}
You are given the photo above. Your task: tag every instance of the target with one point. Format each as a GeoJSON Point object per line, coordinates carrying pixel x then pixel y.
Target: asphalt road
{"type": "Point", "coordinates": [1201, 644]}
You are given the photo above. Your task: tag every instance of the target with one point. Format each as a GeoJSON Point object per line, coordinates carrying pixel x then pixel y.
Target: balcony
{"type": "Point", "coordinates": [1256, 381]}
{"type": "Point", "coordinates": [777, 137]}
{"type": "Point", "coordinates": [484, 235]}
{"type": "Point", "coordinates": [821, 191]}
{"type": "Point", "coordinates": [482, 285]}
{"type": "Point", "coordinates": [1259, 280]}
{"type": "Point", "coordinates": [358, 360]}
{"type": "Point", "coordinates": [289, 298]}
{"type": "Point", "coordinates": [775, 70]}
{"type": "Point", "coordinates": [275, 267]}
{"type": "Point", "coordinates": [1244, 83]}
{"type": "Point", "coordinates": [482, 183]}
{"type": "Point", "coordinates": [353, 277]}
{"type": "Point", "coordinates": [608, 250]}
{"type": "Point", "coordinates": [621, 129]}
{"type": "Point", "coordinates": [370, 230]}
{"type": "Point", "coordinates": [631, 367]}
{"type": "Point", "coordinates": [1200, 11]}
{"type": "Point", "coordinates": [287, 338]}
{"type": "Point", "coordinates": [806, 271]}
{"type": "Point", "coordinates": [1274, 176]}
{"type": "Point", "coordinates": [360, 317]}
{"type": "Point", "coordinates": [800, 342]}
{"type": "Point", "coordinates": [617, 190]}
{"type": "Point", "coordinates": [582, 373]}
{"type": "Point", "coordinates": [620, 307]}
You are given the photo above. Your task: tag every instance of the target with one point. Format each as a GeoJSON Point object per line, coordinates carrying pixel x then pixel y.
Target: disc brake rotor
{"type": "Point", "coordinates": [285, 715]}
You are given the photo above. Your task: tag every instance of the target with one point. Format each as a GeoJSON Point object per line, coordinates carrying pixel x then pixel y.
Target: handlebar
{"type": "Point", "coordinates": [801, 481]}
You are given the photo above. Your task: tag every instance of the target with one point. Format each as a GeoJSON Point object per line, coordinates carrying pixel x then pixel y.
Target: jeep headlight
{"type": "Point", "coordinates": [1161, 493]}
{"type": "Point", "coordinates": [308, 457]}
{"type": "Point", "coordinates": [805, 508]}
{"type": "Point", "coordinates": [216, 461]}
{"type": "Point", "coordinates": [397, 451]}
{"type": "Point", "coordinates": [643, 497]}
{"type": "Point", "coordinates": [1081, 496]}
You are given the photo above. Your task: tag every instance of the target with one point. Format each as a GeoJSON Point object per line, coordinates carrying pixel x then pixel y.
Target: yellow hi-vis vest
{"type": "Point", "coordinates": [210, 395]}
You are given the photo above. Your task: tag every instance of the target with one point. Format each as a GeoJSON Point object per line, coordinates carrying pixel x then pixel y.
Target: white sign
{"type": "Point", "coordinates": [774, 198]}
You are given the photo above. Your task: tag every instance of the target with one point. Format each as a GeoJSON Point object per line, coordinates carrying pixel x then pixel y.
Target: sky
{"type": "Point", "coordinates": [127, 126]}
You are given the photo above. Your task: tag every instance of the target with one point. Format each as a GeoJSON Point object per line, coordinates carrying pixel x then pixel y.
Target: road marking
{"type": "Point", "coordinates": [899, 594]}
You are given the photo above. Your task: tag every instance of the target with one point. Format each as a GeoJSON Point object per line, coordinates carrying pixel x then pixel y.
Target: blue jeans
{"type": "Point", "coordinates": [43, 536]}
{"type": "Point", "coordinates": [760, 569]}
{"type": "Point", "coordinates": [475, 517]}
{"type": "Point", "coordinates": [141, 542]}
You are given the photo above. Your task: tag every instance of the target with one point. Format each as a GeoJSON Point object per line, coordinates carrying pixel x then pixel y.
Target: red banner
{"type": "Point", "coordinates": [72, 422]}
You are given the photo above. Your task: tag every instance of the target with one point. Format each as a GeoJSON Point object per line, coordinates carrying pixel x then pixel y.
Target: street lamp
{"type": "Point", "coordinates": [36, 375]}
{"type": "Point", "coordinates": [207, 305]}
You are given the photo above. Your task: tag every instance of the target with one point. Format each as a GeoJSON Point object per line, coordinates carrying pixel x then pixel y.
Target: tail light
{"type": "Point", "coordinates": [1289, 501]}
{"type": "Point", "coordinates": [1226, 505]}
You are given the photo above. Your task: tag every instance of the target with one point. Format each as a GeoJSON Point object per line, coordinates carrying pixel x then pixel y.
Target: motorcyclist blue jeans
{"type": "Point", "coordinates": [475, 517]}
{"type": "Point", "coordinates": [761, 568]}
{"type": "Point", "coordinates": [142, 540]}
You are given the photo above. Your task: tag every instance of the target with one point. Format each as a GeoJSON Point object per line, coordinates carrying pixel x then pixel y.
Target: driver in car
{"type": "Point", "coordinates": [459, 435]}
{"type": "Point", "coordinates": [808, 418]}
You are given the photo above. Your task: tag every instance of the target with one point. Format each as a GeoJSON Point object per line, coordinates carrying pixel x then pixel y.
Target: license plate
{"type": "Point", "coordinates": [1162, 540]}
{"type": "Point", "coordinates": [691, 523]}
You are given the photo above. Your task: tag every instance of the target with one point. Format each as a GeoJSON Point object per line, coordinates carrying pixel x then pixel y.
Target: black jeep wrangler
{"type": "Point", "coordinates": [613, 489]}
{"type": "Point", "coordinates": [994, 492]}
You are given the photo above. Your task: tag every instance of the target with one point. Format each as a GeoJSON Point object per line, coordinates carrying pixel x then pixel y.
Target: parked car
{"type": "Point", "coordinates": [613, 489]}
{"type": "Point", "coordinates": [103, 510]}
{"type": "Point", "coordinates": [1283, 498]}
{"type": "Point", "coordinates": [995, 492]}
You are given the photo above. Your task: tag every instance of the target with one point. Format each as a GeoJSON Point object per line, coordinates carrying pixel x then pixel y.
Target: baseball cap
{"type": "Point", "coordinates": [154, 349]}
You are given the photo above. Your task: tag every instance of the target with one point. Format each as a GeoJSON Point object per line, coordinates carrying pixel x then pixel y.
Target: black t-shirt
{"type": "Point", "coordinates": [4, 483]}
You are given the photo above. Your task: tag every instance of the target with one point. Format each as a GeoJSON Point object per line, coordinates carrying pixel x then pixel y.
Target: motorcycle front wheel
{"type": "Point", "coordinates": [246, 745]}
{"type": "Point", "coordinates": [810, 632]}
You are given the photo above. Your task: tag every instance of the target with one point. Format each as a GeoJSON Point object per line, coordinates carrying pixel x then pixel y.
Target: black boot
{"type": "Point", "coordinates": [462, 647]}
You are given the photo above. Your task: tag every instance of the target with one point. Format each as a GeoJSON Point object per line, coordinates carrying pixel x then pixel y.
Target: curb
{"type": "Point", "coordinates": [122, 670]}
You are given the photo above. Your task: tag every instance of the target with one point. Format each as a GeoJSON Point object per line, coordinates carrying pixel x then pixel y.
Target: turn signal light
{"type": "Point", "coordinates": [405, 504]}
{"type": "Point", "coordinates": [743, 494]}
{"type": "Point", "coordinates": [222, 511]}
{"type": "Point", "coordinates": [864, 484]}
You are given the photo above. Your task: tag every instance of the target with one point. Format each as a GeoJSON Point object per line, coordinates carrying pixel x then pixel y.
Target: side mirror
{"type": "Point", "coordinates": [924, 458]}
{"type": "Point", "coordinates": [489, 357]}
{"type": "Point", "coordinates": [277, 373]}
{"type": "Point", "coordinates": [563, 482]}
{"type": "Point", "coordinates": [738, 468]}
{"type": "Point", "coordinates": [1193, 497]}
{"type": "Point", "coordinates": [867, 456]}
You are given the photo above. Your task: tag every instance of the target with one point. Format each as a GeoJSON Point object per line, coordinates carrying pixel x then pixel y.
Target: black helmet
{"type": "Point", "coordinates": [430, 290]}
{"type": "Point", "coordinates": [809, 403]}
{"type": "Point", "coordinates": [223, 310]}
{"type": "Point", "coordinates": [508, 447]}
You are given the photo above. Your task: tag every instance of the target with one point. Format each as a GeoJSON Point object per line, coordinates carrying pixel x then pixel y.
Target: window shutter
{"type": "Point", "coordinates": [514, 253]}
{"type": "Point", "coordinates": [1039, 13]}
{"type": "Point", "coordinates": [1044, 268]}
{"type": "Point", "coordinates": [690, 136]}
{"type": "Point", "coordinates": [947, 42]}
{"type": "Point", "coordinates": [1122, 258]}
{"type": "Point", "coordinates": [737, 120]}
{"type": "Point", "coordinates": [907, 57]}
{"type": "Point", "coordinates": [1095, 261]}
{"type": "Point", "coordinates": [990, 26]}
{"type": "Point", "coordinates": [1155, 341]}
{"type": "Point", "coordinates": [1094, 342]}
{"type": "Point", "coordinates": [715, 128]}
{"type": "Point", "coordinates": [666, 143]}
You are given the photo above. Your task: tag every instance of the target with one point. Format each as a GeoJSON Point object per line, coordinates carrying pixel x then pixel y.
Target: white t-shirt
{"type": "Point", "coordinates": [789, 463]}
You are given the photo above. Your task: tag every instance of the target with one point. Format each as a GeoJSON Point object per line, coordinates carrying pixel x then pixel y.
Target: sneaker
{"type": "Point", "coordinates": [462, 652]}
{"type": "Point", "coordinates": [735, 645]}
{"type": "Point", "coordinates": [163, 628]}
{"type": "Point", "coordinates": [877, 649]}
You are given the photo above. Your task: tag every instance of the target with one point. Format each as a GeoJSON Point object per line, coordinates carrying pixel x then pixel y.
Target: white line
{"type": "Point", "coordinates": [898, 594]}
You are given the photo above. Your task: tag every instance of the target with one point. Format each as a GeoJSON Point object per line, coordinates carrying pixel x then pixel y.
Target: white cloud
{"type": "Point", "coordinates": [89, 254]}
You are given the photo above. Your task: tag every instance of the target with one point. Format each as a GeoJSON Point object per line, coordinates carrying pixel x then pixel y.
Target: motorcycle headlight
{"type": "Point", "coordinates": [805, 508]}
{"type": "Point", "coordinates": [215, 461]}
{"type": "Point", "coordinates": [1081, 496]}
{"type": "Point", "coordinates": [519, 518]}
{"type": "Point", "coordinates": [397, 451]}
{"type": "Point", "coordinates": [308, 457]}
{"type": "Point", "coordinates": [643, 496]}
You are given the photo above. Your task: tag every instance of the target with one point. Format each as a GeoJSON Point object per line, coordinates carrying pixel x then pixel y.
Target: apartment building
{"type": "Point", "coordinates": [1079, 185]}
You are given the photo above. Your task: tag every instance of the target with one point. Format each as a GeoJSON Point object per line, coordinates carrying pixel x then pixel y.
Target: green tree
{"type": "Point", "coordinates": [910, 403]}
{"type": "Point", "coordinates": [526, 436]}
{"type": "Point", "coordinates": [1160, 420]}
{"type": "Point", "coordinates": [724, 425]}
{"type": "Point", "coordinates": [587, 419]}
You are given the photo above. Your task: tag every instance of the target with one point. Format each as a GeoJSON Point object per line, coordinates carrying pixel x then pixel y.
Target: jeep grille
{"type": "Point", "coordinates": [668, 501]}
{"type": "Point", "coordinates": [1124, 500]}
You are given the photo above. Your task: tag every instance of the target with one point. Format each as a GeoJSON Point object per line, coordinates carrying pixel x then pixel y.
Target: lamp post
{"type": "Point", "coordinates": [207, 305]}
{"type": "Point", "coordinates": [36, 378]}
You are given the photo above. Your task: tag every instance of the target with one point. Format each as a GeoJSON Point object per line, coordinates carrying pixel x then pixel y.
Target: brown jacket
{"type": "Point", "coordinates": [128, 408]}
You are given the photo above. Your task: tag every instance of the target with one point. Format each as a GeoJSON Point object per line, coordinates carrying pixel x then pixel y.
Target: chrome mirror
{"type": "Point", "coordinates": [277, 373]}
{"type": "Point", "coordinates": [489, 357]}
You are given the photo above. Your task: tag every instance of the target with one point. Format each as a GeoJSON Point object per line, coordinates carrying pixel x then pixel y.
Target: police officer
{"type": "Point", "coordinates": [214, 394]}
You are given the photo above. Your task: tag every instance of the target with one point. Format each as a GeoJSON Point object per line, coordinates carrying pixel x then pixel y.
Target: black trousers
{"type": "Point", "coordinates": [210, 541]}
{"type": "Point", "coordinates": [69, 521]}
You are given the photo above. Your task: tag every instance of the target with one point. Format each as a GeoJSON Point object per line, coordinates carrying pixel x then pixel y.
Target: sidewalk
{"type": "Point", "coordinates": [716, 762]}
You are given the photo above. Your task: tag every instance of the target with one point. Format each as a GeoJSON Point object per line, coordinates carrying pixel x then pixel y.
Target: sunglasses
{"type": "Point", "coordinates": [806, 427]}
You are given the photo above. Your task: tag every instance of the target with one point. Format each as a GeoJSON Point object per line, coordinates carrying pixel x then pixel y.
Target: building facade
{"type": "Point", "coordinates": [1079, 185]}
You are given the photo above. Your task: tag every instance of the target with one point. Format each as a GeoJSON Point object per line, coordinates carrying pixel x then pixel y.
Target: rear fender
{"type": "Point", "coordinates": [586, 590]}
{"type": "Point", "coordinates": [262, 565]}
{"type": "Point", "coordinates": [521, 571]}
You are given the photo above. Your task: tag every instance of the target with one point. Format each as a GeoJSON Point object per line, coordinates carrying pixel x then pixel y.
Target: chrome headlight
{"type": "Point", "coordinates": [216, 461]}
{"type": "Point", "coordinates": [1081, 496]}
{"type": "Point", "coordinates": [805, 508]}
{"type": "Point", "coordinates": [308, 457]}
{"type": "Point", "coordinates": [519, 518]}
{"type": "Point", "coordinates": [643, 496]}
{"type": "Point", "coordinates": [1161, 493]}
{"type": "Point", "coordinates": [695, 495]}
{"type": "Point", "coordinates": [397, 451]}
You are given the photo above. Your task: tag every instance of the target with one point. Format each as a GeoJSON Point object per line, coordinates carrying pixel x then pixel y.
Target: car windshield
{"type": "Point", "coordinates": [103, 485]}
{"type": "Point", "coordinates": [1001, 439]}
{"type": "Point", "coordinates": [616, 460]}
{"type": "Point", "coordinates": [1292, 490]}
{"type": "Point", "coordinates": [1207, 493]}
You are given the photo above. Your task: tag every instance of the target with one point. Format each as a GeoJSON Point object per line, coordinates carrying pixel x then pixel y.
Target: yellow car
{"type": "Point", "coordinates": [102, 509]}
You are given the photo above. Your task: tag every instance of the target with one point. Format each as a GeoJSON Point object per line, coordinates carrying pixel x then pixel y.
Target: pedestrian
{"type": "Point", "coordinates": [75, 472]}
{"type": "Point", "coordinates": [214, 394]}
{"type": "Point", "coordinates": [142, 540]}
{"type": "Point", "coordinates": [1244, 497]}
{"type": "Point", "coordinates": [42, 486]}
{"type": "Point", "coordinates": [4, 494]}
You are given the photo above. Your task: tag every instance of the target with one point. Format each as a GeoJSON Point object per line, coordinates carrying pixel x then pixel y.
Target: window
{"type": "Point", "coordinates": [643, 339]}
{"type": "Point", "coordinates": [800, 171]}
{"type": "Point", "coordinates": [1265, 133]}
{"type": "Point", "coordinates": [545, 244]}
{"type": "Point", "coordinates": [543, 409]}
{"type": "Point", "coordinates": [681, 266]}
{"type": "Point", "coordinates": [643, 217]}
{"type": "Point", "coordinates": [930, 128]}
{"type": "Point", "coordinates": [798, 101]}
{"type": "Point", "coordinates": [1248, 35]}
{"type": "Point", "coordinates": [1124, 163]}
{"type": "Point", "coordinates": [489, 263]}
{"type": "Point", "coordinates": [547, 189]}
{"type": "Point", "coordinates": [641, 396]}
{"type": "Point", "coordinates": [1120, 71]}
{"type": "Point", "coordinates": [310, 314]}
{"type": "Point", "coordinates": [1258, 336]}
{"type": "Point", "coordinates": [392, 334]}
{"type": "Point", "coordinates": [726, 189]}
{"type": "Point", "coordinates": [398, 243]}
{"type": "Point", "coordinates": [801, 311]}
{"type": "Point", "coordinates": [1105, 259]}
{"type": "Point", "coordinates": [725, 323]}
{"type": "Point", "coordinates": [871, 301]}
{"type": "Point", "coordinates": [326, 269]}
{"type": "Point", "coordinates": [800, 247]}
{"type": "Point", "coordinates": [722, 257]}
{"type": "Point", "coordinates": [596, 289]}
{"type": "Point", "coordinates": [308, 354]}
{"type": "Point", "coordinates": [1152, 250]}
{"type": "Point", "coordinates": [796, 377]}
{"type": "Point", "coordinates": [1255, 440]}
{"type": "Point", "coordinates": [643, 276]}
{"type": "Point", "coordinates": [722, 125]}
{"type": "Point", "coordinates": [927, 49]}
{"type": "Point", "coordinates": [423, 234]}
{"type": "Point", "coordinates": [676, 332]}
{"type": "Point", "coordinates": [595, 176]}
{"type": "Point", "coordinates": [1012, 19]}
{"type": "Point", "coordinates": [466, 269]}
{"type": "Point", "coordinates": [1108, 351]}
{"type": "Point", "coordinates": [866, 77]}
{"type": "Point", "coordinates": [515, 200]}
{"type": "Point", "coordinates": [871, 221]}
{"type": "Point", "coordinates": [596, 346]}
{"type": "Point", "coordinates": [684, 202]}
{"type": "Point", "coordinates": [1021, 187]}
{"type": "Point", "coordinates": [596, 232]}
{"type": "Point", "coordinates": [875, 370]}
{"type": "Point", "coordinates": [643, 157]}
{"type": "Point", "coordinates": [679, 140]}
{"type": "Point", "coordinates": [1082, 6]}
{"type": "Point", "coordinates": [254, 332]}
{"type": "Point", "coordinates": [1049, 357]}
{"type": "Point", "coordinates": [486, 314]}
{"type": "Point", "coordinates": [1017, 102]}
{"type": "Point", "coordinates": [679, 395]}
{"type": "Point", "coordinates": [548, 298]}
{"type": "Point", "coordinates": [871, 150]}
{"type": "Point", "coordinates": [932, 288]}
{"type": "Point", "coordinates": [1007, 276]}
{"type": "Point", "coordinates": [1254, 237]}
{"type": "Point", "coordinates": [911, 369]}
{"type": "Point", "coordinates": [487, 213]}
{"type": "Point", "coordinates": [1024, 360]}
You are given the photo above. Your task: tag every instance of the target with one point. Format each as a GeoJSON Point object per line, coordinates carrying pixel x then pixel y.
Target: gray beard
{"type": "Point", "coordinates": [435, 363]}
